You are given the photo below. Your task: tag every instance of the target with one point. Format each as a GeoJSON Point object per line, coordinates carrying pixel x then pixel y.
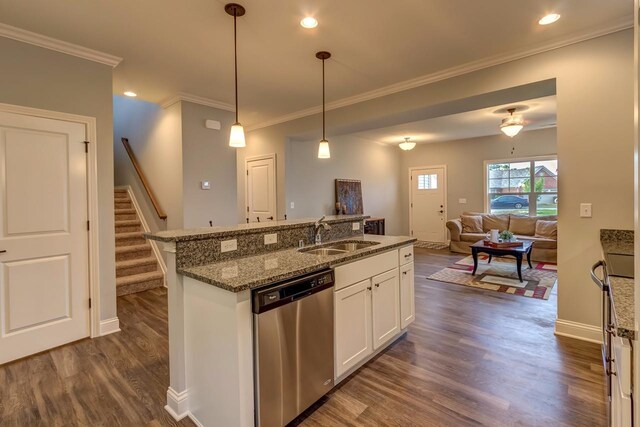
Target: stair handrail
{"type": "Point", "coordinates": [143, 178]}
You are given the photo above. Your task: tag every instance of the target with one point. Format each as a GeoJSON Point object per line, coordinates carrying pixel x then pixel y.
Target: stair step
{"type": "Point", "coordinates": [130, 238]}
{"type": "Point", "coordinates": [125, 214]}
{"type": "Point", "coordinates": [136, 266]}
{"type": "Point", "coordinates": [124, 253]}
{"type": "Point", "coordinates": [123, 205]}
{"type": "Point", "coordinates": [139, 282]}
{"type": "Point", "coordinates": [120, 190]}
{"type": "Point", "coordinates": [128, 225]}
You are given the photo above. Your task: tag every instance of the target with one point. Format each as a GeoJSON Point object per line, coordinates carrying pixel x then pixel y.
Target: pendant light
{"type": "Point", "coordinates": [407, 145]}
{"type": "Point", "coordinates": [323, 147]}
{"type": "Point", "coordinates": [236, 138]}
{"type": "Point", "coordinates": [512, 125]}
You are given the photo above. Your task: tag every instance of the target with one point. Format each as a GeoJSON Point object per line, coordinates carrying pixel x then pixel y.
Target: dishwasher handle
{"type": "Point", "coordinates": [602, 283]}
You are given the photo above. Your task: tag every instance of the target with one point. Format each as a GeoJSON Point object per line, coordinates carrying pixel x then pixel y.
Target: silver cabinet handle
{"type": "Point", "coordinates": [595, 278]}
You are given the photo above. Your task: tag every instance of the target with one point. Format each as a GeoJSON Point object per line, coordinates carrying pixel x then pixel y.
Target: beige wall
{"type": "Point", "coordinates": [594, 85]}
{"type": "Point", "coordinates": [40, 78]}
{"type": "Point", "coordinates": [465, 165]}
{"type": "Point", "coordinates": [310, 182]}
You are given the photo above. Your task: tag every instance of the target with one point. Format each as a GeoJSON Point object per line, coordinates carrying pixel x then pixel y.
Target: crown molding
{"type": "Point", "coordinates": [469, 67]}
{"type": "Point", "coordinates": [50, 43]}
{"type": "Point", "coordinates": [181, 96]}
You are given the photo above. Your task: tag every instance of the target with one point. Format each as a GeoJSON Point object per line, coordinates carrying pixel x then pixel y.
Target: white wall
{"type": "Point", "coordinates": [465, 165]}
{"type": "Point", "coordinates": [310, 182]}
{"type": "Point", "coordinates": [594, 83]}
{"type": "Point", "coordinates": [40, 78]}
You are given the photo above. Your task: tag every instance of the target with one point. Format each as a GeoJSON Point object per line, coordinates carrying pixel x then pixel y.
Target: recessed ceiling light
{"type": "Point", "coordinates": [309, 22]}
{"type": "Point", "coordinates": [131, 94]}
{"type": "Point", "coordinates": [549, 19]}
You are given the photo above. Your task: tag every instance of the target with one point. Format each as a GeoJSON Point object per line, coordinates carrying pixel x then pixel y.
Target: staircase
{"type": "Point", "coordinates": [137, 268]}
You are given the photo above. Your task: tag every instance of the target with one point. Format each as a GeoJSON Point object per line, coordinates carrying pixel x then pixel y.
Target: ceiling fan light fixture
{"type": "Point", "coordinates": [407, 145]}
{"type": "Point", "coordinates": [236, 136]}
{"type": "Point", "coordinates": [512, 125]}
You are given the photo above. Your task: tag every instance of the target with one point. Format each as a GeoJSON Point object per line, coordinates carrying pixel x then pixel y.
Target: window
{"type": "Point", "coordinates": [428, 182]}
{"type": "Point", "coordinates": [524, 186]}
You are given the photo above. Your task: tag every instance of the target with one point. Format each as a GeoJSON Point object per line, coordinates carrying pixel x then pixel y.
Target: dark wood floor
{"type": "Point", "coordinates": [472, 357]}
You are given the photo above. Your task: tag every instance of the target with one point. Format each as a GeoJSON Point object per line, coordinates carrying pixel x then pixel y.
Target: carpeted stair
{"type": "Point", "coordinates": [136, 266]}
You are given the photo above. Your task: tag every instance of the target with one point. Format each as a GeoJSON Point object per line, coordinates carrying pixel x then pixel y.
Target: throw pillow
{"type": "Point", "coordinates": [498, 222]}
{"type": "Point", "coordinates": [471, 223]}
{"type": "Point", "coordinates": [523, 225]}
{"type": "Point", "coordinates": [547, 229]}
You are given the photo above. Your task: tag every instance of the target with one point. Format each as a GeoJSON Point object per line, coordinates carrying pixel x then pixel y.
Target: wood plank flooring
{"type": "Point", "coordinates": [472, 357]}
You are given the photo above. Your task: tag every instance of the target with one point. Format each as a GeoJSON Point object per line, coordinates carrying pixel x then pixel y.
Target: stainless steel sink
{"type": "Point", "coordinates": [351, 246]}
{"type": "Point", "coordinates": [323, 251]}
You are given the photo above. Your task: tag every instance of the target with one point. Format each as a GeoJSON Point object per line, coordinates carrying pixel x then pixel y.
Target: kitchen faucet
{"type": "Point", "coordinates": [318, 226]}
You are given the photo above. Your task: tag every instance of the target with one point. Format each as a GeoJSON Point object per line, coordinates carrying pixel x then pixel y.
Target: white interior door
{"type": "Point", "coordinates": [261, 189]}
{"type": "Point", "coordinates": [428, 204]}
{"type": "Point", "coordinates": [44, 274]}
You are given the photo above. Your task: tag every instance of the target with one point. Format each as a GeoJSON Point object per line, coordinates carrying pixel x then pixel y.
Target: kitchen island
{"type": "Point", "coordinates": [210, 304]}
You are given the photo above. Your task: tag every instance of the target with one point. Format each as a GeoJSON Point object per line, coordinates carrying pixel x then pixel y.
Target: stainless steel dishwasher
{"type": "Point", "coordinates": [293, 345]}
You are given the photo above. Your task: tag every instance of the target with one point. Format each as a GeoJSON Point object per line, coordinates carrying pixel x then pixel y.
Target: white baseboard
{"type": "Point", "coordinates": [109, 326]}
{"type": "Point", "coordinates": [579, 331]}
{"type": "Point", "coordinates": [195, 420]}
{"type": "Point", "coordinates": [178, 404]}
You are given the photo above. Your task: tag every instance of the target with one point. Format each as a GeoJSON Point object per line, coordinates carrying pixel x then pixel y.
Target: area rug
{"type": "Point", "coordinates": [501, 276]}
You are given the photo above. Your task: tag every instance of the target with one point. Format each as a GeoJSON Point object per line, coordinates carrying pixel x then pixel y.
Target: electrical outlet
{"type": "Point", "coordinates": [293, 205]}
{"type": "Point", "coordinates": [355, 226]}
{"type": "Point", "coordinates": [270, 239]}
{"type": "Point", "coordinates": [229, 245]}
{"type": "Point", "coordinates": [585, 210]}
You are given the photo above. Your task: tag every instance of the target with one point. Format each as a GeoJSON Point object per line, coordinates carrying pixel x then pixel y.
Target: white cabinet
{"type": "Point", "coordinates": [621, 383]}
{"type": "Point", "coordinates": [407, 295]}
{"type": "Point", "coordinates": [353, 337]}
{"type": "Point", "coordinates": [386, 307]}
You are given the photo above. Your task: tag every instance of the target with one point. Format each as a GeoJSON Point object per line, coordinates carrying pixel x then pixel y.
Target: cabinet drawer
{"type": "Point", "coordinates": [406, 255]}
{"type": "Point", "coordinates": [357, 271]}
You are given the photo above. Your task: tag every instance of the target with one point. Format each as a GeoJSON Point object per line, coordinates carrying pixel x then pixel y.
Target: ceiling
{"type": "Point", "coordinates": [169, 47]}
{"type": "Point", "coordinates": [537, 114]}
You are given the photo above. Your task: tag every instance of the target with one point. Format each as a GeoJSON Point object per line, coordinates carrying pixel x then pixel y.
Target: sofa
{"type": "Point", "coordinates": [473, 226]}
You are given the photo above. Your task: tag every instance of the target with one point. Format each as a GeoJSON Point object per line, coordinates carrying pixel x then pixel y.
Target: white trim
{"type": "Point", "coordinates": [145, 227]}
{"type": "Point", "coordinates": [579, 331]}
{"type": "Point", "coordinates": [275, 180]}
{"type": "Point", "coordinates": [109, 326]}
{"type": "Point", "coordinates": [50, 43]}
{"type": "Point", "coordinates": [446, 197]}
{"type": "Point", "coordinates": [92, 193]}
{"type": "Point", "coordinates": [195, 99]}
{"type": "Point", "coordinates": [177, 404]}
{"type": "Point", "coordinates": [620, 25]}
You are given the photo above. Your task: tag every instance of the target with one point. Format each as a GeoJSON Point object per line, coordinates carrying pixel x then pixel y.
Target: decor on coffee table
{"type": "Point", "coordinates": [501, 276]}
{"type": "Point", "coordinates": [515, 251]}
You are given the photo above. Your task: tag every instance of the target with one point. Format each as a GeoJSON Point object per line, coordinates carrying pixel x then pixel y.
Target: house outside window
{"type": "Point", "coordinates": [522, 186]}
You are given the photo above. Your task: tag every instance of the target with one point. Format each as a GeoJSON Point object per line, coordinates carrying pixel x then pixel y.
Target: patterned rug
{"type": "Point", "coordinates": [501, 276]}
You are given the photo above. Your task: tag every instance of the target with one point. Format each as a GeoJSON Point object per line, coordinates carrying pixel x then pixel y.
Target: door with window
{"type": "Point", "coordinates": [44, 263]}
{"type": "Point", "coordinates": [428, 204]}
{"type": "Point", "coordinates": [261, 188]}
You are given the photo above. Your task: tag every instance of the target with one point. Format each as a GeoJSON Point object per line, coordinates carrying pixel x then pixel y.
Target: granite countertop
{"type": "Point", "coordinates": [621, 288]}
{"type": "Point", "coordinates": [252, 272]}
{"type": "Point", "coordinates": [254, 227]}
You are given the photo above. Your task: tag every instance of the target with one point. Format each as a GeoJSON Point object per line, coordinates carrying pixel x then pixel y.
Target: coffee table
{"type": "Point", "coordinates": [517, 252]}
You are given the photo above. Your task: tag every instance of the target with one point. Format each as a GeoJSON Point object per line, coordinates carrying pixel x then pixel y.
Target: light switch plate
{"type": "Point", "coordinates": [462, 201]}
{"type": "Point", "coordinates": [205, 185]}
{"type": "Point", "coordinates": [585, 210]}
{"type": "Point", "coordinates": [355, 226]}
{"type": "Point", "coordinates": [270, 239]}
{"type": "Point", "coordinates": [229, 245]}
{"type": "Point", "coordinates": [293, 205]}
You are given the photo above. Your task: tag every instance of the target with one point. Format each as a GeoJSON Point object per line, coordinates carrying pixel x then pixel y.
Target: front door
{"type": "Point", "coordinates": [428, 208]}
{"type": "Point", "coordinates": [261, 189]}
{"type": "Point", "coordinates": [44, 274]}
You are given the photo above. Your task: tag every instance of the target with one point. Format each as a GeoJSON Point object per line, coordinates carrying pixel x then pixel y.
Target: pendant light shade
{"type": "Point", "coordinates": [512, 125]}
{"type": "Point", "coordinates": [236, 138]}
{"type": "Point", "coordinates": [323, 147]}
{"type": "Point", "coordinates": [407, 145]}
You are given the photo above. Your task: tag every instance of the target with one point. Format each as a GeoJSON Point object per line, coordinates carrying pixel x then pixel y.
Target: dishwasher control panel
{"type": "Point", "coordinates": [273, 296]}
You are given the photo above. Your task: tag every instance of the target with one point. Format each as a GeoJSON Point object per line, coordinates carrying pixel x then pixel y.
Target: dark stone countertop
{"type": "Point", "coordinates": [255, 271]}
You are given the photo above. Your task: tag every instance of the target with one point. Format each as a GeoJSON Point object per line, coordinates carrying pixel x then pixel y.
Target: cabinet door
{"type": "Point", "coordinates": [352, 325]}
{"type": "Point", "coordinates": [407, 295]}
{"type": "Point", "coordinates": [386, 307]}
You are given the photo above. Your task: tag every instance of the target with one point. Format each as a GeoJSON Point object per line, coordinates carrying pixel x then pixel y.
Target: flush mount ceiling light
{"type": "Point", "coordinates": [323, 147]}
{"type": "Point", "coordinates": [309, 22]}
{"type": "Point", "coordinates": [549, 19]}
{"type": "Point", "coordinates": [236, 138]}
{"type": "Point", "coordinates": [131, 94]}
{"type": "Point", "coordinates": [512, 125]}
{"type": "Point", "coordinates": [407, 145]}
